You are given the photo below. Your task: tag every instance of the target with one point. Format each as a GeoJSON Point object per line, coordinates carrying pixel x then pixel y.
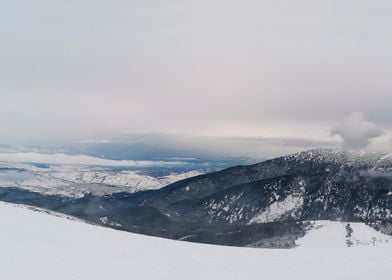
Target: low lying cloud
{"type": "Point", "coordinates": [356, 131]}
{"type": "Point", "coordinates": [171, 146]}
{"type": "Point", "coordinates": [153, 148]}
{"type": "Point", "coordinates": [60, 158]}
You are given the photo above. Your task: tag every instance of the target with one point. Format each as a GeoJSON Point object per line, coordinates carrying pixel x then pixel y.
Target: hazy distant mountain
{"type": "Point", "coordinates": [77, 180]}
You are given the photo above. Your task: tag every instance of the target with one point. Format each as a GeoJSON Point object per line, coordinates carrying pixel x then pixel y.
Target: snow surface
{"type": "Point", "coordinates": [76, 180]}
{"type": "Point", "coordinates": [333, 235]}
{"type": "Point", "coordinates": [35, 245]}
{"type": "Point", "coordinates": [291, 204]}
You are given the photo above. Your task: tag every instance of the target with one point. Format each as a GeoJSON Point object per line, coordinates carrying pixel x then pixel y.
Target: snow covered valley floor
{"type": "Point", "coordinates": [35, 245]}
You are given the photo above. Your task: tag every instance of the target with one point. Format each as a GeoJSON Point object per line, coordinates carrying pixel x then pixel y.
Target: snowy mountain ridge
{"type": "Point", "coordinates": [348, 158]}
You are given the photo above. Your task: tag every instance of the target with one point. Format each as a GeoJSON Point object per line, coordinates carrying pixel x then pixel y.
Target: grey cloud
{"type": "Point", "coordinates": [83, 69]}
{"type": "Point", "coordinates": [356, 131]}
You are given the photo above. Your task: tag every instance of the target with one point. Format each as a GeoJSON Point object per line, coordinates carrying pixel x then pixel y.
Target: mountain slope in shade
{"type": "Point", "coordinates": [66, 249]}
{"type": "Point", "coordinates": [312, 185]}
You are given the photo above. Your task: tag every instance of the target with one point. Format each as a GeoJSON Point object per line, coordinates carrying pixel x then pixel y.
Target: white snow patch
{"type": "Point", "coordinates": [276, 210]}
{"type": "Point", "coordinates": [104, 220]}
{"type": "Point", "coordinates": [330, 234]}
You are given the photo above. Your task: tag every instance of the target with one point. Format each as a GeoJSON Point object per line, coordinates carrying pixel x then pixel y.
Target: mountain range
{"type": "Point", "coordinates": [268, 204]}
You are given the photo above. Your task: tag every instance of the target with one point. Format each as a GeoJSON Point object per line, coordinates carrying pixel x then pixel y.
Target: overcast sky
{"type": "Point", "coordinates": [91, 70]}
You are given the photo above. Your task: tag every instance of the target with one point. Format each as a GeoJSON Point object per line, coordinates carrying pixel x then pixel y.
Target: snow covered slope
{"type": "Point", "coordinates": [329, 234]}
{"type": "Point", "coordinates": [75, 180]}
{"type": "Point", "coordinates": [35, 245]}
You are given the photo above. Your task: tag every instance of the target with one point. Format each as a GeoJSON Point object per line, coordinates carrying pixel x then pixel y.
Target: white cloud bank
{"type": "Point", "coordinates": [356, 131]}
{"type": "Point", "coordinates": [60, 158]}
